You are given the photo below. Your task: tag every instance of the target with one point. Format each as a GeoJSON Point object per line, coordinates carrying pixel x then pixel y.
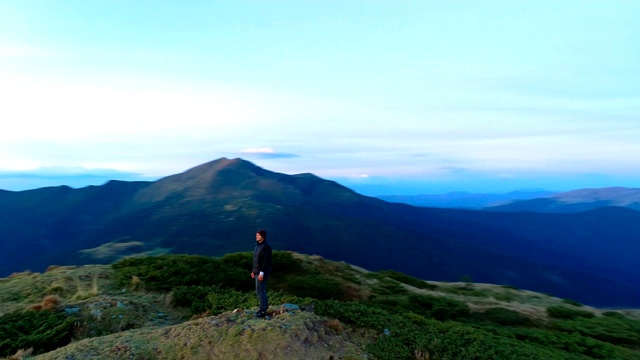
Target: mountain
{"type": "Point", "coordinates": [577, 200]}
{"type": "Point", "coordinates": [463, 200]}
{"type": "Point", "coordinates": [215, 208]}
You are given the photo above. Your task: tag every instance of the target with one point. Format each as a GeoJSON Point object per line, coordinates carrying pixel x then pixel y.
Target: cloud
{"type": "Point", "coordinates": [455, 170]}
{"type": "Point", "coordinates": [266, 153]}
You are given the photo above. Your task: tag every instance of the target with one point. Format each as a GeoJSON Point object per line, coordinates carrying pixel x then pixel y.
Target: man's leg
{"type": "Point", "coordinates": [261, 292]}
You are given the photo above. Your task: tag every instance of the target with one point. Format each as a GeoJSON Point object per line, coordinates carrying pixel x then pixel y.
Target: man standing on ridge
{"type": "Point", "coordinates": [261, 271]}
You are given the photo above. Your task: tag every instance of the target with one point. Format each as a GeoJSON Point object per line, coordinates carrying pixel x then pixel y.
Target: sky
{"type": "Point", "coordinates": [386, 97]}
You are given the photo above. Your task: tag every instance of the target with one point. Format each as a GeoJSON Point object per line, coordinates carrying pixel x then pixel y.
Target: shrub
{"type": "Point", "coordinates": [164, 272]}
{"type": "Point", "coordinates": [406, 279]}
{"type": "Point", "coordinates": [221, 300]}
{"type": "Point", "coordinates": [612, 330]}
{"type": "Point", "coordinates": [192, 297]}
{"type": "Point", "coordinates": [503, 316]}
{"type": "Point", "coordinates": [411, 336]}
{"type": "Point", "coordinates": [467, 289]}
{"type": "Point", "coordinates": [50, 302]}
{"type": "Point", "coordinates": [510, 287]}
{"type": "Point", "coordinates": [613, 314]}
{"type": "Point", "coordinates": [356, 313]}
{"type": "Point", "coordinates": [55, 289]}
{"type": "Point", "coordinates": [563, 312]}
{"type": "Point", "coordinates": [335, 325]}
{"type": "Point", "coordinates": [503, 296]}
{"type": "Point", "coordinates": [439, 307]}
{"type": "Point", "coordinates": [317, 286]}
{"type": "Point", "coordinates": [569, 342]}
{"type": "Point", "coordinates": [41, 330]}
{"type": "Point", "coordinates": [572, 302]}
{"type": "Point", "coordinates": [51, 268]}
{"type": "Point", "coordinates": [284, 263]}
{"type": "Point", "coordinates": [389, 287]}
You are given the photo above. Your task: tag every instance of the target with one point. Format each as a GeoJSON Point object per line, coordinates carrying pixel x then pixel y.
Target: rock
{"type": "Point", "coordinates": [290, 307]}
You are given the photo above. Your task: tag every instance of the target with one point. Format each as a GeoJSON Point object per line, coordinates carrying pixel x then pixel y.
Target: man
{"type": "Point", "coordinates": [261, 271]}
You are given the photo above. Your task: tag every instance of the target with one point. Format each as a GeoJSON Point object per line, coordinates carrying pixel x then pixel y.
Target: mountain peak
{"type": "Point", "coordinates": [221, 164]}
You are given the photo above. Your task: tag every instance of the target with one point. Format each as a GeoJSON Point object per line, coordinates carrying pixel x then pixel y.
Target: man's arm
{"type": "Point", "coordinates": [266, 263]}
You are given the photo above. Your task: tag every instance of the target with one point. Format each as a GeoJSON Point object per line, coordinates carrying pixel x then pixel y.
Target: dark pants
{"type": "Point", "coordinates": [261, 291]}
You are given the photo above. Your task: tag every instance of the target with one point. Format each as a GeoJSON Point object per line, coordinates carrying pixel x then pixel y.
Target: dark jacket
{"type": "Point", "coordinates": [262, 258]}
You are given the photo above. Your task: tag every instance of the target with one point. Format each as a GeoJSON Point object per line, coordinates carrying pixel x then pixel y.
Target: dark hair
{"type": "Point", "coordinates": [262, 233]}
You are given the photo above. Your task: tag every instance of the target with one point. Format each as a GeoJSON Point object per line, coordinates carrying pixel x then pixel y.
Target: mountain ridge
{"type": "Point", "coordinates": [577, 200]}
{"type": "Point", "coordinates": [215, 208]}
{"type": "Point", "coordinates": [465, 200]}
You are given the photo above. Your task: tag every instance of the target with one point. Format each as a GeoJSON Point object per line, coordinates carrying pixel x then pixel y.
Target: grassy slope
{"type": "Point", "coordinates": [119, 323]}
{"type": "Point", "coordinates": [226, 336]}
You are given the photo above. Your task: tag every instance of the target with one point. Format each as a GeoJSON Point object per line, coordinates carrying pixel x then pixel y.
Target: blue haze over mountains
{"type": "Point", "coordinates": [465, 200]}
{"type": "Point", "coordinates": [590, 256]}
{"type": "Point", "coordinates": [539, 201]}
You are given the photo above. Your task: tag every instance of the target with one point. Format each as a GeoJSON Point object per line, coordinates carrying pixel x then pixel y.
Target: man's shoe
{"type": "Point", "coordinates": [260, 314]}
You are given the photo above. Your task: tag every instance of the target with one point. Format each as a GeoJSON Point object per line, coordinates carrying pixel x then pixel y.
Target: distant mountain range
{"type": "Point", "coordinates": [536, 201]}
{"type": "Point", "coordinates": [215, 208]}
{"type": "Point", "coordinates": [464, 200]}
{"type": "Point", "coordinates": [577, 200]}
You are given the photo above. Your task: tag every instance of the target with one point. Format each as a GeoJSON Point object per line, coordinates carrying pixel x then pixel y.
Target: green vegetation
{"type": "Point", "coordinates": [563, 312]}
{"type": "Point", "coordinates": [572, 302]}
{"type": "Point", "coordinates": [41, 330]}
{"type": "Point", "coordinates": [163, 273]}
{"type": "Point", "coordinates": [503, 316]}
{"type": "Point", "coordinates": [406, 279]}
{"type": "Point", "coordinates": [385, 314]}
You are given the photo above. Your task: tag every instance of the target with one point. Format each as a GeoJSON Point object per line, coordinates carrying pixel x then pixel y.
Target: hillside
{"type": "Point", "coordinates": [113, 314]}
{"type": "Point", "coordinates": [215, 208]}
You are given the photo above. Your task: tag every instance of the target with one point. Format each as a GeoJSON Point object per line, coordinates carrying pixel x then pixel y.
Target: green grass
{"type": "Point", "coordinates": [139, 308]}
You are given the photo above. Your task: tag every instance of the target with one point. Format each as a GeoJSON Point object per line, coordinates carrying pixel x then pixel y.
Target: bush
{"type": "Point", "coordinates": [317, 286]}
{"type": "Point", "coordinates": [572, 302]}
{"type": "Point", "coordinates": [164, 272]}
{"type": "Point", "coordinates": [510, 287]}
{"type": "Point", "coordinates": [503, 296]}
{"type": "Point", "coordinates": [355, 313]}
{"type": "Point", "coordinates": [389, 287]}
{"type": "Point", "coordinates": [411, 336]}
{"type": "Point", "coordinates": [406, 279]}
{"type": "Point", "coordinates": [613, 314]}
{"type": "Point", "coordinates": [192, 297]}
{"type": "Point", "coordinates": [467, 289]}
{"type": "Point", "coordinates": [612, 330]}
{"type": "Point", "coordinates": [563, 312]}
{"type": "Point", "coordinates": [439, 307]}
{"type": "Point", "coordinates": [503, 316]}
{"type": "Point", "coordinates": [570, 343]}
{"type": "Point", "coordinates": [41, 330]}
{"type": "Point", "coordinates": [221, 300]}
